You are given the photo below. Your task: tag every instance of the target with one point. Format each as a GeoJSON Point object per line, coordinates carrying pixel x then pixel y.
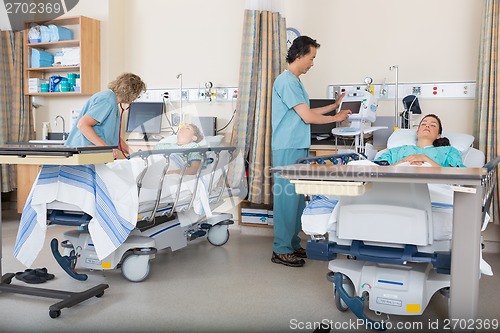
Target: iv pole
{"type": "Point", "coordinates": [396, 116]}
{"type": "Point", "coordinates": [180, 100]}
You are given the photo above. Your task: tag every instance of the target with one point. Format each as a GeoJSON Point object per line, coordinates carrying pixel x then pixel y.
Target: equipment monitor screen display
{"type": "Point", "coordinates": [145, 118]}
{"type": "Point", "coordinates": [354, 106]}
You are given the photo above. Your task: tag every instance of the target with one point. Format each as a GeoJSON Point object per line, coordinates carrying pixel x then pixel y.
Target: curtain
{"type": "Point", "coordinates": [486, 122]}
{"type": "Point", "coordinates": [263, 53]}
{"type": "Point", "coordinates": [15, 118]}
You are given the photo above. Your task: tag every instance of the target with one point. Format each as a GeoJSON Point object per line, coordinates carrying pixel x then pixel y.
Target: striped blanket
{"type": "Point", "coordinates": [109, 197]}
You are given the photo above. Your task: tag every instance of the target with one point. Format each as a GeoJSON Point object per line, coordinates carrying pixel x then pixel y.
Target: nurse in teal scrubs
{"type": "Point", "coordinates": [99, 121]}
{"type": "Point", "coordinates": [430, 149]}
{"type": "Point", "coordinates": [291, 139]}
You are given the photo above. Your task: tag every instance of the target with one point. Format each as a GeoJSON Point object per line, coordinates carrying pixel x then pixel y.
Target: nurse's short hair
{"type": "Point", "coordinates": [300, 47]}
{"type": "Point", "coordinates": [127, 87]}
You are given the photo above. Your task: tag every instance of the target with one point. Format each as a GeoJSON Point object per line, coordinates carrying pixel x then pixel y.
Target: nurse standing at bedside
{"type": "Point", "coordinates": [291, 139]}
{"type": "Point", "coordinates": [99, 121]}
{"type": "Point", "coordinates": [431, 148]}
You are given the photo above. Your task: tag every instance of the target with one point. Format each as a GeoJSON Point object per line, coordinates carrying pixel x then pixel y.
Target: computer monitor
{"type": "Point", "coordinates": [145, 118]}
{"type": "Point", "coordinates": [322, 129]}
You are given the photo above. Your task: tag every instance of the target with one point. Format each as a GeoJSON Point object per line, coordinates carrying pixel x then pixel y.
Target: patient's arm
{"type": "Point", "coordinates": [418, 159]}
{"type": "Point", "coordinates": [191, 170]}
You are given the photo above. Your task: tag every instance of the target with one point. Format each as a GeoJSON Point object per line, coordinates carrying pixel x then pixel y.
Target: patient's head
{"type": "Point", "coordinates": [188, 133]}
{"type": "Point", "coordinates": [429, 132]}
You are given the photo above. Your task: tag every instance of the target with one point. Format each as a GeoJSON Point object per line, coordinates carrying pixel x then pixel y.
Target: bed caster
{"type": "Point", "coordinates": [218, 235]}
{"type": "Point", "coordinates": [54, 313]}
{"type": "Point", "coordinates": [136, 268]}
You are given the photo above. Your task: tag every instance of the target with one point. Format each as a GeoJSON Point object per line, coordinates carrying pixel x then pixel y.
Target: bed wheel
{"type": "Point", "coordinates": [54, 313]}
{"type": "Point", "coordinates": [136, 268]}
{"type": "Point", "coordinates": [218, 235]}
{"type": "Point", "coordinates": [349, 287]}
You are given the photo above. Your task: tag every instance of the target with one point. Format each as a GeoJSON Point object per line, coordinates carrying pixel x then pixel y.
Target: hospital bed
{"type": "Point", "coordinates": [136, 209]}
{"type": "Point", "coordinates": [385, 220]}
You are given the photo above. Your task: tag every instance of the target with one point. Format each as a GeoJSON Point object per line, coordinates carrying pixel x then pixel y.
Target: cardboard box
{"type": "Point", "coordinates": [270, 217]}
{"type": "Point", "coordinates": [255, 216]}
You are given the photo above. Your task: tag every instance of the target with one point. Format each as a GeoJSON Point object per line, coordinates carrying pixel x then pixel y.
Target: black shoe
{"type": "Point", "coordinates": [287, 259]}
{"type": "Point", "coordinates": [300, 253]}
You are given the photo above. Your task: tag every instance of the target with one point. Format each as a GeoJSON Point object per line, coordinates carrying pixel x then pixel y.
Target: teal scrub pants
{"type": "Point", "coordinates": [288, 205]}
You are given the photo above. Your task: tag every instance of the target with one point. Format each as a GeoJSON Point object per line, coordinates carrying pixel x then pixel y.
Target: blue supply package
{"type": "Point", "coordinates": [41, 58]}
{"type": "Point", "coordinates": [59, 33]}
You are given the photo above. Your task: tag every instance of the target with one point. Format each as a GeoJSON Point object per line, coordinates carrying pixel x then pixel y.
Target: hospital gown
{"type": "Point", "coordinates": [446, 156]}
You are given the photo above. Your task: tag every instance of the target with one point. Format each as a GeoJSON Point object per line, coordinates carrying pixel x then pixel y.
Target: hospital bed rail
{"type": "Point", "coordinates": [210, 156]}
{"type": "Point", "coordinates": [158, 227]}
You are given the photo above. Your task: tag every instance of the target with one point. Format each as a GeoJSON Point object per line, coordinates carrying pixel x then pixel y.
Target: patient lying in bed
{"type": "Point", "coordinates": [109, 194]}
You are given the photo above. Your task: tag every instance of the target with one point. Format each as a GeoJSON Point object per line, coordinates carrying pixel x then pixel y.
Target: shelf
{"type": "Point", "coordinates": [56, 94]}
{"type": "Point", "coordinates": [52, 45]}
{"type": "Point", "coordinates": [54, 69]}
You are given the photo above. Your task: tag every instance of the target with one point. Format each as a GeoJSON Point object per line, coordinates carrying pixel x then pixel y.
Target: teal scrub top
{"type": "Point", "coordinates": [446, 156]}
{"type": "Point", "coordinates": [289, 130]}
{"type": "Point", "coordinates": [103, 107]}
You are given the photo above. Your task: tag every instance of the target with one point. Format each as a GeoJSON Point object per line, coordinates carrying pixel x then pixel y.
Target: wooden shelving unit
{"type": "Point", "coordinates": [87, 36]}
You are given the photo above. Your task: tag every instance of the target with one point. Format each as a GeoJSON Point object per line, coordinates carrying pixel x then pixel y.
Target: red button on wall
{"type": "Point", "coordinates": [434, 92]}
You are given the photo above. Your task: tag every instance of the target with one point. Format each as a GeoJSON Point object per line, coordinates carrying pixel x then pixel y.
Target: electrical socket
{"type": "Point", "coordinates": [221, 93]}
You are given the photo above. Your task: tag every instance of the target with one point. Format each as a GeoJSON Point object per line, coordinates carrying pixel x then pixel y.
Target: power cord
{"type": "Point", "coordinates": [229, 122]}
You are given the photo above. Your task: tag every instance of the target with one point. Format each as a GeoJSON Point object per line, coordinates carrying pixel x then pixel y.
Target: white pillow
{"type": "Point", "coordinates": [212, 141]}
{"type": "Point", "coordinates": [401, 137]}
{"type": "Point", "coordinates": [207, 141]}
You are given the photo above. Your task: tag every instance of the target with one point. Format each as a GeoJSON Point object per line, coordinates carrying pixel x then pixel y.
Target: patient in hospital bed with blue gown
{"type": "Point", "coordinates": [430, 149]}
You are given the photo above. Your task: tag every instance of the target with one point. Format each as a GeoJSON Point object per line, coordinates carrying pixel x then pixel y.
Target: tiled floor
{"type": "Point", "coordinates": [202, 288]}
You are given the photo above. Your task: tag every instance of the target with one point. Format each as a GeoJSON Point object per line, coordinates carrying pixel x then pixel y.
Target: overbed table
{"type": "Point", "coordinates": [467, 204]}
{"type": "Point", "coordinates": [53, 155]}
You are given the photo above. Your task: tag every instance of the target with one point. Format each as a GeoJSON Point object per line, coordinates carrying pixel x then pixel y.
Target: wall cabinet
{"type": "Point", "coordinates": [86, 36]}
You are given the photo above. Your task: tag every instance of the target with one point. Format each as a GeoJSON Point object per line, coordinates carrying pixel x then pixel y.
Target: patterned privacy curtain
{"type": "Point", "coordinates": [263, 53]}
{"type": "Point", "coordinates": [15, 118]}
{"type": "Point", "coordinates": [486, 122]}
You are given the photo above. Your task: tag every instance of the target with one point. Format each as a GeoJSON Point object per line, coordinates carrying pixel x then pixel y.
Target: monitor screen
{"type": "Point", "coordinates": [322, 128]}
{"type": "Point", "coordinates": [145, 118]}
{"type": "Point", "coordinates": [354, 106]}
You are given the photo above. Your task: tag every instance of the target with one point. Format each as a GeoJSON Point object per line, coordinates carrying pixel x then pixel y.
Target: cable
{"type": "Point", "coordinates": [406, 113]}
{"type": "Point", "coordinates": [229, 122]}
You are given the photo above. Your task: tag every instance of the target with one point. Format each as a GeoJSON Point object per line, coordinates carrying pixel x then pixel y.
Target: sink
{"type": "Point", "coordinates": [47, 142]}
